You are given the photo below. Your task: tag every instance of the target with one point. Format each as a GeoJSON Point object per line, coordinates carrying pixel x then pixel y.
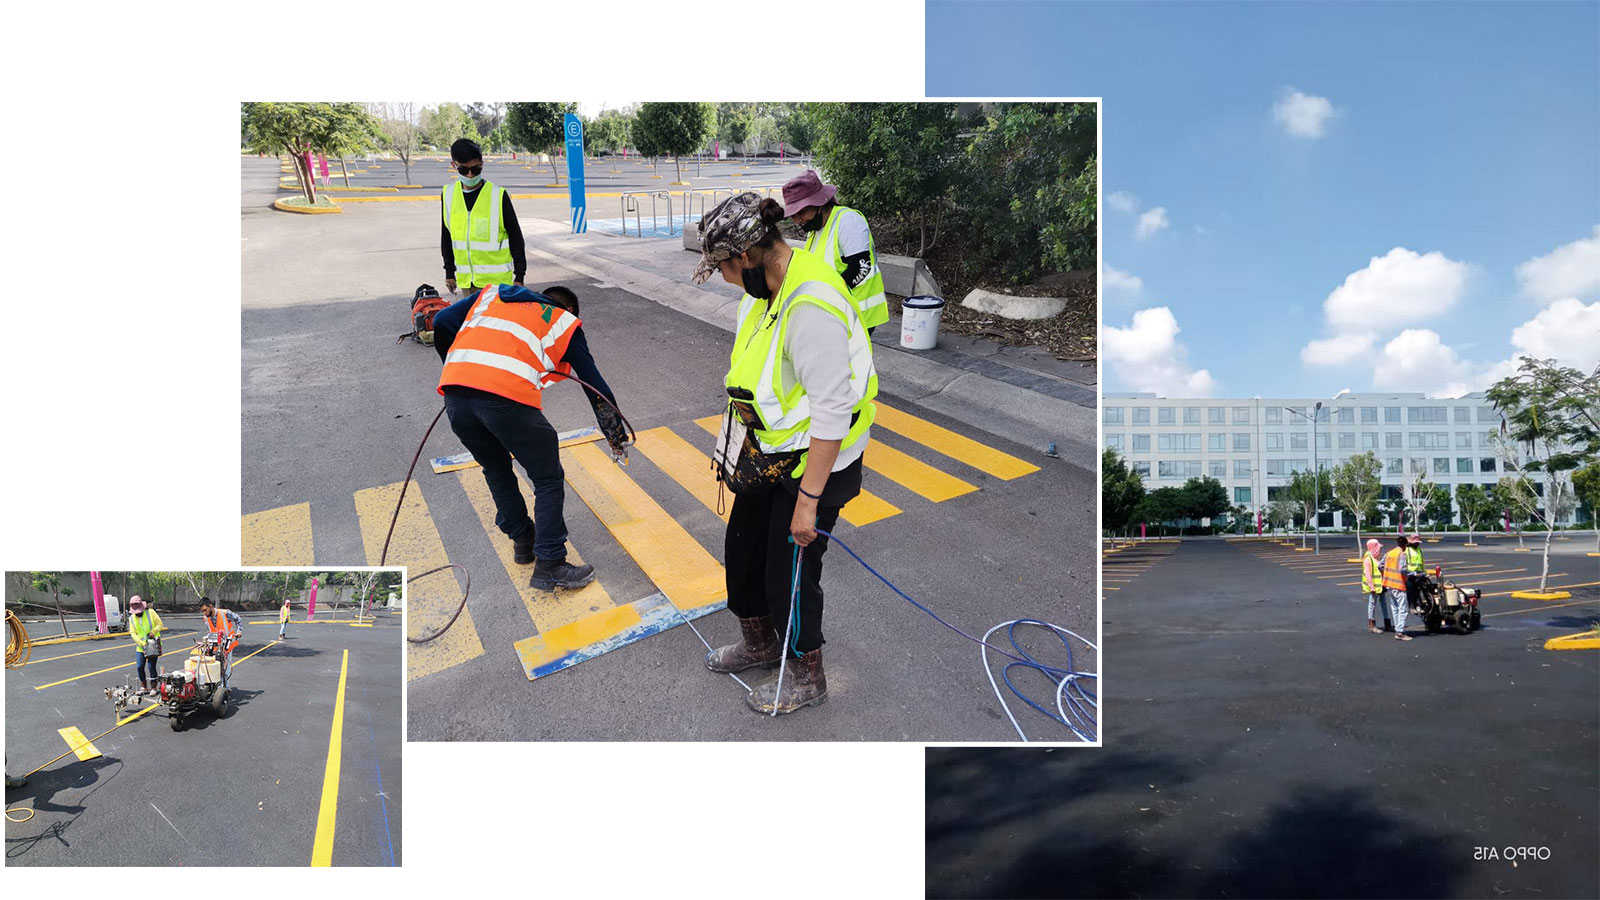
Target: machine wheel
{"type": "Point", "coordinates": [1463, 621]}
{"type": "Point", "coordinates": [219, 703]}
{"type": "Point", "coordinates": [1433, 621]}
{"type": "Point", "coordinates": [1477, 620]}
{"type": "Point", "coordinates": [176, 721]}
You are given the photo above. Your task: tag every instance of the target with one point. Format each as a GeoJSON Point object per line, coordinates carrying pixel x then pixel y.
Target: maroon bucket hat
{"type": "Point", "coordinates": [806, 189]}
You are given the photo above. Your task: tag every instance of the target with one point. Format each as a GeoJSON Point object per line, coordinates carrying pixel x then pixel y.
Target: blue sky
{"type": "Point", "coordinates": [1275, 151]}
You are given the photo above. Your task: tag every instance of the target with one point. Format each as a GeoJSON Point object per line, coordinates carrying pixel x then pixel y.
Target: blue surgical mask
{"type": "Point", "coordinates": [471, 182]}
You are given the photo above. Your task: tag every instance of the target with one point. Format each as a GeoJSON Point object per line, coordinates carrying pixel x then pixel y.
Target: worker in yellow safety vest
{"type": "Point", "coordinates": [841, 237]}
{"type": "Point", "coordinates": [1372, 586]}
{"type": "Point", "coordinates": [1394, 584]}
{"type": "Point", "coordinates": [145, 627]}
{"type": "Point", "coordinates": [480, 239]}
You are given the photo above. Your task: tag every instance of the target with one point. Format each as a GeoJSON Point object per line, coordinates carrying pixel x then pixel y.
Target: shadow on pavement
{"type": "Point", "coordinates": [79, 775]}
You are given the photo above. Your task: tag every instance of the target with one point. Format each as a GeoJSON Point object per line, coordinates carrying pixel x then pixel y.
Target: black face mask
{"type": "Point", "coordinates": [815, 223]}
{"type": "Point", "coordinates": [755, 283]}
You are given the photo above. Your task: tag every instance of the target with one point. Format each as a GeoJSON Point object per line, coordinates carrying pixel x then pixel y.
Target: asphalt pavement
{"type": "Point", "coordinates": [248, 789]}
{"type": "Point", "coordinates": [1259, 742]}
{"type": "Point", "coordinates": [333, 411]}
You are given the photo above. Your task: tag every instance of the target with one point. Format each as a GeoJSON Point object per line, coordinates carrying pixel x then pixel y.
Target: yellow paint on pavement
{"type": "Point", "coordinates": [79, 744]}
{"type": "Point", "coordinates": [956, 446]}
{"type": "Point", "coordinates": [1534, 609]}
{"type": "Point", "coordinates": [669, 556]}
{"type": "Point", "coordinates": [547, 609]}
{"type": "Point", "coordinates": [277, 537]}
{"type": "Point", "coordinates": [34, 662]}
{"type": "Point", "coordinates": [914, 474]}
{"type": "Point", "coordinates": [863, 509]}
{"type": "Point", "coordinates": [690, 468]}
{"type": "Point", "coordinates": [432, 600]}
{"type": "Point", "coordinates": [328, 812]}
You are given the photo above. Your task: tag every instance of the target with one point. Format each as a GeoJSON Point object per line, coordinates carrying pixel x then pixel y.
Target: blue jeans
{"type": "Point", "coordinates": [1375, 605]}
{"type": "Point", "coordinates": [139, 663]}
{"type": "Point", "coordinates": [282, 627]}
{"type": "Point", "coordinates": [498, 430]}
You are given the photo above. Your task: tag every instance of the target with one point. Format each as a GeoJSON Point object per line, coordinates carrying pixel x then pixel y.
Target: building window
{"type": "Point", "coordinates": [1463, 414]}
{"type": "Point", "coordinates": [1114, 442]}
{"type": "Point", "coordinates": [1430, 440]}
{"type": "Point", "coordinates": [1141, 443]}
{"type": "Point", "coordinates": [1274, 441]}
{"type": "Point", "coordinates": [1418, 465]}
{"type": "Point", "coordinates": [1486, 464]}
{"type": "Point", "coordinates": [1274, 415]}
{"type": "Point", "coordinates": [1166, 468]}
{"type": "Point", "coordinates": [1463, 440]}
{"type": "Point", "coordinates": [1488, 415]}
{"type": "Point", "coordinates": [1274, 493]}
{"type": "Point", "coordinates": [1441, 465]}
{"type": "Point", "coordinates": [1299, 465]}
{"type": "Point", "coordinates": [1277, 468]}
{"type": "Point", "coordinates": [1241, 468]}
{"type": "Point", "coordinates": [1463, 465]}
{"type": "Point", "coordinates": [1241, 441]}
{"type": "Point", "coordinates": [1178, 443]}
{"type": "Point", "coordinates": [1369, 415]}
{"type": "Point", "coordinates": [1112, 415]}
{"type": "Point", "coordinates": [1347, 440]}
{"type": "Point", "coordinates": [1345, 415]}
{"type": "Point", "coordinates": [1391, 415]}
{"type": "Point", "coordinates": [1392, 466]}
{"type": "Point", "coordinates": [1215, 416]}
{"type": "Point", "coordinates": [1217, 442]}
{"type": "Point", "coordinates": [1297, 441]}
{"type": "Point", "coordinates": [1324, 440]}
{"type": "Point", "coordinates": [1426, 414]}
{"type": "Point", "coordinates": [1141, 415]}
{"type": "Point", "coordinates": [1391, 440]}
{"type": "Point", "coordinates": [1191, 415]}
{"type": "Point", "coordinates": [1241, 415]}
{"type": "Point", "coordinates": [1141, 468]}
{"type": "Point", "coordinates": [1165, 416]}
{"type": "Point", "coordinates": [1219, 468]}
{"type": "Point", "coordinates": [1369, 440]}
{"type": "Point", "coordinates": [1241, 496]}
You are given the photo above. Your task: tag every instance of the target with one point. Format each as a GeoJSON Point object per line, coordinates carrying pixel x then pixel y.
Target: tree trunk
{"type": "Point", "coordinates": [678, 161]}
{"type": "Point", "coordinates": [60, 614]}
{"type": "Point", "coordinates": [344, 171]}
{"type": "Point", "coordinates": [553, 169]}
{"type": "Point", "coordinates": [1544, 572]}
{"type": "Point", "coordinates": [406, 161]}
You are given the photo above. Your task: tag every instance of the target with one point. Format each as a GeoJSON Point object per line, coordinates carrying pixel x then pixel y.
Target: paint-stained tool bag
{"type": "Point", "coordinates": [425, 304]}
{"type": "Point", "coordinates": [737, 457]}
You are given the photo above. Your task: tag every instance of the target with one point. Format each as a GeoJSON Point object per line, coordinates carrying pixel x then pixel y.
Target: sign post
{"type": "Point", "coordinates": [99, 602]}
{"type": "Point", "coordinates": [311, 610]}
{"type": "Point", "coordinates": [574, 131]}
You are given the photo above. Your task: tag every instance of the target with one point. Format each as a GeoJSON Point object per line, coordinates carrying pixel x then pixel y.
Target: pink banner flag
{"type": "Point", "coordinates": [99, 602]}
{"type": "Point", "coordinates": [312, 610]}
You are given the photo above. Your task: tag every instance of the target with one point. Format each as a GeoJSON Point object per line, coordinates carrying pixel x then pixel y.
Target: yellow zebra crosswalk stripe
{"type": "Point", "coordinates": [958, 447]}
{"type": "Point", "coordinates": [865, 508]}
{"type": "Point", "coordinates": [277, 537]}
{"type": "Point", "coordinates": [668, 555]}
{"type": "Point", "coordinates": [913, 474]}
{"type": "Point", "coordinates": [690, 468]}
{"type": "Point", "coordinates": [548, 610]}
{"type": "Point", "coordinates": [433, 600]}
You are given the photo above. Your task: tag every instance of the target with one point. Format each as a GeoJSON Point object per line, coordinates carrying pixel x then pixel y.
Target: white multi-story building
{"type": "Point", "coordinates": [1253, 446]}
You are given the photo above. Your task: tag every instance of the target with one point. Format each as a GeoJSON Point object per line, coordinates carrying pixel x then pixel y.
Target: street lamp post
{"type": "Point", "coordinates": [1316, 476]}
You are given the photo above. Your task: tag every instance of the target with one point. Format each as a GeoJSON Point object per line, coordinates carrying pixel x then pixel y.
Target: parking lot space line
{"type": "Point", "coordinates": [328, 812]}
{"type": "Point", "coordinates": [432, 600]}
{"type": "Point", "coordinates": [80, 677]}
{"type": "Point", "coordinates": [1539, 608]}
{"type": "Point", "coordinates": [1457, 569]}
{"type": "Point", "coordinates": [864, 509]}
{"type": "Point", "coordinates": [546, 609]}
{"type": "Point", "coordinates": [667, 554]}
{"type": "Point", "coordinates": [277, 537]}
{"type": "Point", "coordinates": [120, 646]}
{"type": "Point", "coordinates": [956, 446]}
{"type": "Point", "coordinates": [1528, 577]}
{"type": "Point", "coordinates": [79, 744]}
{"type": "Point", "coordinates": [1553, 587]}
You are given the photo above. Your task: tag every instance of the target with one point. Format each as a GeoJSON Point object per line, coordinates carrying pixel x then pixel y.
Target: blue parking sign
{"type": "Point", "coordinates": [574, 131]}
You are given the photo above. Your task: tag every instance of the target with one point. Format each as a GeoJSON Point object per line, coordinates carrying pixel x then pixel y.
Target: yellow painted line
{"type": "Point", "coordinates": [1528, 577]}
{"type": "Point", "coordinates": [328, 813]}
{"type": "Point", "coordinates": [1458, 569]}
{"type": "Point", "coordinates": [75, 638]}
{"type": "Point", "coordinates": [956, 446]}
{"type": "Point", "coordinates": [79, 744]}
{"type": "Point", "coordinates": [79, 677]}
{"type": "Point", "coordinates": [914, 474]}
{"type": "Point", "coordinates": [240, 661]}
{"type": "Point", "coordinates": [865, 508]}
{"type": "Point", "coordinates": [33, 662]}
{"type": "Point", "coordinates": [1534, 609]}
{"type": "Point", "coordinates": [669, 556]}
{"type": "Point", "coordinates": [360, 624]}
{"type": "Point", "coordinates": [1538, 595]}
{"type": "Point", "coordinates": [434, 599]}
{"type": "Point", "coordinates": [547, 609]}
{"type": "Point", "coordinates": [690, 468]}
{"type": "Point", "coordinates": [1112, 589]}
{"type": "Point", "coordinates": [277, 537]}
{"type": "Point", "coordinates": [1581, 641]}
{"type": "Point", "coordinates": [1554, 587]}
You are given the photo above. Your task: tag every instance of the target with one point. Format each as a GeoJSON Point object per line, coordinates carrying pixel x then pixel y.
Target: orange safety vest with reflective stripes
{"type": "Point", "coordinates": [510, 349]}
{"type": "Point", "coordinates": [1370, 579]}
{"type": "Point", "coordinates": [1392, 579]}
{"type": "Point", "coordinates": [220, 626]}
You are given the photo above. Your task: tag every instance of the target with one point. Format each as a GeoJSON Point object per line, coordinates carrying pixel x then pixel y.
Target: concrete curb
{"type": "Point", "coordinates": [1010, 307]}
{"type": "Point", "coordinates": [305, 210]}
{"type": "Point", "coordinates": [75, 639]}
{"type": "Point", "coordinates": [1026, 416]}
{"type": "Point", "coordinates": [1580, 641]}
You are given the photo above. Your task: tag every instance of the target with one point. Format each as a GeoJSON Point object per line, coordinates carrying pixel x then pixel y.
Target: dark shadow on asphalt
{"type": "Point", "coordinates": [78, 775]}
{"type": "Point", "coordinates": [284, 651]}
{"type": "Point", "coordinates": [1572, 621]}
{"type": "Point", "coordinates": [201, 719]}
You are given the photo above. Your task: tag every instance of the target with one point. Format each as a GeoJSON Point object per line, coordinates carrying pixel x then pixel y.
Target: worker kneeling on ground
{"type": "Point", "coordinates": [226, 625]}
{"type": "Point", "coordinates": [502, 346]}
{"type": "Point", "coordinates": [800, 384]}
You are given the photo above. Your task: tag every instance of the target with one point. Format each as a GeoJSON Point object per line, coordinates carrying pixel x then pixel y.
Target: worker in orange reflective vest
{"type": "Point", "coordinates": [1394, 584]}
{"type": "Point", "coordinates": [226, 625]}
{"type": "Point", "coordinates": [502, 346]}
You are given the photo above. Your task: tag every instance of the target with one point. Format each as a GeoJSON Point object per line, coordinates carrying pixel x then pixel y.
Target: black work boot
{"type": "Point", "coordinates": [549, 574]}
{"type": "Point", "coordinates": [804, 684]}
{"type": "Point", "coordinates": [758, 646]}
{"type": "Point", "coordinates": [522, 549]}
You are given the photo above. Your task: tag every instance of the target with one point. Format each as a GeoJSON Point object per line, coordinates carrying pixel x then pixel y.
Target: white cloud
{"type": "Point", "coordinates": [1302, 115]}
{"type": "Point", "coordinates": [1567, 330]}
{"type": "Point", "coordinates": [1571, 270]}
{"type": "Point", "coordinates": [1117, 281]}
{"type": "Point", "coordinates": [1399, 288]}
{"type": "Point", "coordinates": [1341, 349]}
{"type": "Point", "coordinates": [1147, 356]}
{"type": "Point", "coordinates": [1151, 222]}
{"type": "Point", "coordinates": [1417, 360]}
{"type": "Point", "coordinates": [1122, 201]}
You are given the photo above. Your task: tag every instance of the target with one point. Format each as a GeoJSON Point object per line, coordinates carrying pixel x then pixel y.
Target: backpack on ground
{"type": "Point", "coordinates": [425, 304]}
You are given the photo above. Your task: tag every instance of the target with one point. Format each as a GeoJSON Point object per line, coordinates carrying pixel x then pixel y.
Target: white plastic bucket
{"type": "Point", "coordinates": [919, 322]}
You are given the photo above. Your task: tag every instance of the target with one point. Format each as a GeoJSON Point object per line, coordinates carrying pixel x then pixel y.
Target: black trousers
{"type": "Point", "coordinates": [759, 559]}
{"type": "Point", "coordinates": [497, 430]}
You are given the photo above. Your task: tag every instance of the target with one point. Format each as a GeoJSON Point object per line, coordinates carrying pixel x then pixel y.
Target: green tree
{"type": "Point", "coordinates": [1312, 493]}
{"type": "Point", "coordinates": [609, 132]}
{"type": "Point", "coordinates": [675, 128]}
{"type": "Point", "coordinates": [1121, 492]}
{"type": "Point", "coordinates": [1204, 498]}
{"type": "Point", "coordinates": [1162, 506]}
{"type": "Point", "coordinates": [763, 133]}
{"type": "Point", "coordinates": [734, 128]}
{"type": "Point", "coordinates": [51, 582]}
{"type": "Point", "coordinates": [445, 124]}
{"type": "Point", "coordinates": [347, 129]}
{"type": "Point", "coordinates": [799, 129]}
{"type": "Point", "coordinates": [1476, 507]}
{"type": "Point", "coordinates": [287, 129]}
{"type": "Point", "coordinates": [1439, 509]}
{"type": "Point", "coordinates": [1356, 488]}
{"type": "Point", "coordinates": [1548, 426]}
{"type": "Point", "coordinates": [1028, 188]}
{"type": "Point", "coordinates": [895, 161]}
{"type": "Point", "coordinates": [539, 128]}
{"type": "Point", "coordinates": [1586, 483]}
{"type": "Point", "coordinates": [1280, 513]}
{"type": "Point", "coordinates": [1515, 496]}
{"type": "Point", "coordinates": [1417, 491]}
{"type": "Point", "coordinates": [486, 117]}
{"type": "Point", "coordinates": [398, 131]}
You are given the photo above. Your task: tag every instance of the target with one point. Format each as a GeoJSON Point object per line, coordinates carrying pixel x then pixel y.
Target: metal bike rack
{"type": "Point", "coordinates": [631, 204]}
{"type": "Point", "coordinates": [690, 194]}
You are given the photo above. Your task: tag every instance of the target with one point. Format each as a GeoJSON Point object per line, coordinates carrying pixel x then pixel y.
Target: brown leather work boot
{"type": "Point", "coordinates": [758, 646]}
{"type": "Point", "coordinates": [804, 684]}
